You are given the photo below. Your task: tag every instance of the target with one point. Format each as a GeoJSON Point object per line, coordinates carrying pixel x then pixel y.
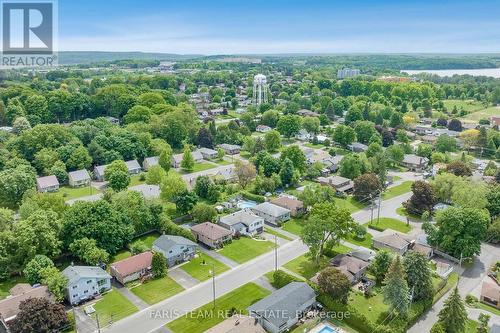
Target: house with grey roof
{"type": "Point", "coordinates": [393, 241]}
{"type": "Point", "coordinates": [99, 172]}
{"type": "Point", "coordinates": [175, 249]}
{"type": "Point", "coordinates": [177, 158]}
{"type": "Point", "coordinates": [414, 162]}
{"type": "Point", "coordinates": [340, 184]}
{"type": "Point", "coordinates": [47, 184]}
{"type": "Point", "coordinates": [272, 213]}
{"type": "Point", "coordinates": [79, 178]}
{"type": "Point", "coordinates": [133, 167]}
{"type": "Point", "coordinates": [243, 222]}
{"type": "Point", "coordinates": [149, 162]}
{"type": "Point", "coordinates": [147, 191]}
{"type": "Point", "coordinates": [85, 283]}
{"type": "Point", "coordinates": [207, 153]}
{"type": "Point", "coordinates": [230, 149]}
{"type": "Point", "coordinates": [282, 309]}
{"type": "Point", "coordinates": [357, 147]}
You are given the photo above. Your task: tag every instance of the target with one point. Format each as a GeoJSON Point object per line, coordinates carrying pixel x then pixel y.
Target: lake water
{"type": "Point", "coordinates": [493, 72]}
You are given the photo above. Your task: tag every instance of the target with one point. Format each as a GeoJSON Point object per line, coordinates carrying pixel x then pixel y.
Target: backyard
{"type": "Point", "coordinates": [245, 249]}
{"type": "Point", "coordinates": [69, 193]}
{"type": "Point", "coordinates": [147, 240]}
{"type": "Point", "coordinates": [112, 307]}
{"type": "Point", "coordinates": [200, 267]}
{"type": "Point", "coordinates": [6, 285]}
{"type": "Point", "coordinates": [389, 223]}
{"type": "Point", "coordinates": [238, 300]}
{"type": "Point", "coordinates": [156, 290]}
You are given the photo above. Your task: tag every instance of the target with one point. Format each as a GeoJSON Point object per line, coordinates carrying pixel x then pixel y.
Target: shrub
{"type": "Point", "coordinates": [253, 197]}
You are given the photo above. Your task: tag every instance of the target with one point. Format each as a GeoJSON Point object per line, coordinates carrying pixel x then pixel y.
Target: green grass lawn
{"type": "Point", "coordinates": [69, 193]}
{"type": "Point", "coordinates": [397, 190]}
{"type": "Point", "coordinates": [6, 285]}
{"type": "Point", "coordinates": [483, 114]}
{"type": "Point", "coordinates": [469, 105]}
{"type": "Point", "coordinates": [351, 204]}
{"type": "Point", "coordinates": [200, 267]}
{"type": "Point", "coordinates": [199, 167]}
{"type": "Point", "coordinates": [136, 180]}
{"type": "Point", "coordinates": [276, 233]}
{"type": "Point", "coordinates": [156, 290]}
{"type": "Point", "coordinates": [147, 239]}
{"type": "Point", "coordinates": [113, 306]}
{"type": "Point", "coordinates": [305, 265]}
{"type": "Point", "coordinates": [222, 162]}
{"type": "Point", "coordinates": [244, 249]}
{"type": "Point", "coordinates": [471, 326]}
{"type": "Point", "coordinates": [366, 242]}
{"type": "Point", "coordinates": [239, 299]}
{"type": "Point", "coordinates": [402, 211]}
{"type": "Point", "coordinates": [294, 226]}
{"type": "Point", "coordinates": [390, 223]}
{"type": "Point", "coordinates": [372, 307]}
{"type": "Point", "coordinates": [488, 308]}
{"type": "Point", "coordinates": [312, 145]}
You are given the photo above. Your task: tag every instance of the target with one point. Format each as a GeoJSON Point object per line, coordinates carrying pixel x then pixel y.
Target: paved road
{"type": "Point", "coordinates": [158, 315]}
{"type": "Point", "coordinates": [469, 280]}
{"type": "Point", "coordinates": [387, 209]}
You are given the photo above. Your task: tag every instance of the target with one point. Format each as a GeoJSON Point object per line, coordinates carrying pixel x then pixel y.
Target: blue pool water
{"type": "Point", "coordinates": [327, 329]}
{"type": "Point", "coordinates": [246, 204]}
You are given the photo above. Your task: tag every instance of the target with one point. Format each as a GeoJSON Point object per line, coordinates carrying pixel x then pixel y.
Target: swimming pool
{"type": "Point", "coordinates": [324, 328]}
{"type": "Point", "coordinates": [246, 204]}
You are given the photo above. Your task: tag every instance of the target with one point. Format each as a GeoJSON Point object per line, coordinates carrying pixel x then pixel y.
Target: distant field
{"type": "Point", "coordinates": [468, 105]}
{"type": "Point", "coordinates": [484, 113]}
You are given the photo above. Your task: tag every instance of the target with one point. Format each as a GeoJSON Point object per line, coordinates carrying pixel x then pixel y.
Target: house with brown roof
{"type": "Point", "coordinates": [211, 234]}
{"type": "Point", "coordinates": [9, 306]}
{"type": "Point", "coordinates": [341, 184]}
{"type": "Point", "coordinates": [353, 265]}
{"type": "Point", "coordinates": [393, 241]}
{"type": "Point", "coordinates": [295, 206]}
{"type": "Point", "coordinates": [490, 292]}
{"type": "Point", "coordinates": [237, 324]}
{"type": "Point", "coordinates": [132, 268]}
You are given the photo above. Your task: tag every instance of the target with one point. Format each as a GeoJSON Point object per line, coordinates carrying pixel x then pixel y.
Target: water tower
{"type": "Point", "coordinates": [260, 89]}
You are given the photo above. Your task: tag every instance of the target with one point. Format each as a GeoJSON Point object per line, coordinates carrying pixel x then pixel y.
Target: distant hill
{"type": "Point", "coordinates": [88, 57]}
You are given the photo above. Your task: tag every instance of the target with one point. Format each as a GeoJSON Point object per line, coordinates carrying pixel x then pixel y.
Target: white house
{"type": "Point", "coordinates": [243, 222]}
{"type": "Point", "coordinates": [47, 184]}
{"type": "Point", "coordinates": [175, 249]}
{"type": "Point", "coordinates": [85, 282]}
{"type": "Point", "coordinates": [271, 213]}
{"type": "Point", "coordinates": [133, 167]}
{"type": "Point", "coordinates": [78, 178]}
{"type": "Point", "coordinates": [149, 162]}
{"type": "Point", "coordinates": [207, 153]}
{"type": "Point", "coordinates": [263, 129]}
{"type": "Point", "coordinates": [99, 172]}
{"type": "Point", "coordinates": [303, 135]}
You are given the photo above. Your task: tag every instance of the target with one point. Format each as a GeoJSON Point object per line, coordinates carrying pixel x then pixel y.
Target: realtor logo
{"type": "Point", "coordinates": [28, 30]}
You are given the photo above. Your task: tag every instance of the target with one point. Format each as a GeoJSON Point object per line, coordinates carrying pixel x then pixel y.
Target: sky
{"type": "Point", "coordinates": [270, 27]}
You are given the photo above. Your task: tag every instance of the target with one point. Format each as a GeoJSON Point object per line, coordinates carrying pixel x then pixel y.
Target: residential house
{"type": "Point", "coordinates": [79, 178]}
{"type": "Point", "coordinates": [47, 184]}
{"type": "Point", "coordinates": [149, 162]}
{"type": "Point", "coordinates": [133, 167]}
{"type": "Point", "coordinates": [113, 120]}
{"type": "Point", "coordinates": [495, 121]}
{"type": "Point", "coordinates": [295, 206]}
{"type": "Point", "coordinates": [429, 139]}
{"type": "Point", "coordinates": [132, 268]}
{"type": "Point", "coordinates": [177, 158]}
{"type": "Point", "coordinates": [99, 172]}
{"type": "Point", "coordinates": [147, 191]}
{"type": "Point", "coordinates": [263, 128]}
{"type": "Point", "coordinates": [357, 147]}
{"type": "Point", "coordinates": [303, 135]}
{"type": "Point", "coordinates": [393, 241]}
{"type": "Point", "coordinates": [414, 162]}
{"type": "Point", "coordinates": [272, 213]}
{"type": "Point", "coordinates": [424, 249]}
{"type": "Point", "coordinates": [85, 283]}
{"type": "Point", "coordinates": [9, 306]}
{"type": "Point", "coordinates": [175, 249]}
{"type": "Point", "coordinates": [211, 234]}
{"type": "Point", "coordinates": [243, 222]}
{"type": "Point", "coordinates": [207, 153]}
{"type": "Point", "coordinates": [490, 292]}
{"type": "Point", "coordinates": [307, 113]}
{"type": "Point", "coordinates": [282, 309]}
{"type": "Point", "coordinates": [341, 184]}
{"type": "Point", "coordinates": [230, 149]}
{"type": "Point", "coordinates": [237, 323]}
{"type": "Point", "coordinates": [352, 267]}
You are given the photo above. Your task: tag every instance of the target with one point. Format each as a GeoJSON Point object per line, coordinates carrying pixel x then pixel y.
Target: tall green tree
{"type": "Point", "coordinates": [158, 265]}
{"type": "Point", "coordinates": [187, 163]}
{"type": "Point", "coordinates": [453, 315]}
{"type": "Point", "coordinates": [395, 290]}
{"type": "Point", "coordinates": [117, 176]}
{"type": "Point", "coordinates": [418, 275]}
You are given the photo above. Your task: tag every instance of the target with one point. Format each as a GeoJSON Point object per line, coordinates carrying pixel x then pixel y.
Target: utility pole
{"type": "Point", "coordinates": [379, 204]}
{"type": "Point", "coordinates": [275, 253]}
{"type": "Point", "coordinates": [98, 324]}
{"type": "Point", "coordinates": [213, 282]}
{"type": "Point", "coordinates": [371, 205]}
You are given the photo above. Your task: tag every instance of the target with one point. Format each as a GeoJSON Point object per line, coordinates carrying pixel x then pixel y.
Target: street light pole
{"type": "Point", "coordinates": [275, 253]}
{"type": "Point", "coordinates": [213, 282]}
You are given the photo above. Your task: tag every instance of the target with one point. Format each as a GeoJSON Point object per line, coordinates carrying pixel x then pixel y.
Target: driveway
{"type": "Point", "coordinates": [162, 313]}
{"type": "Point", "coordinates": [182, 278]}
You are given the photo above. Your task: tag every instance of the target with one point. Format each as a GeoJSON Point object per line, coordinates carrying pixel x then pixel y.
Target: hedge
{"type": "Point", "coordinates": [376, 227]}
{"type": "Point", "coordinates": [253, 197]}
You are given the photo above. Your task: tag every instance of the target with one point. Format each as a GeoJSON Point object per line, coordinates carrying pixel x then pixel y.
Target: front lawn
{"type": "Point", "coordinates": [314, 146]}
{"type": "Point", "coordinates": [349, 203]}
{"type": "Point", "coordinates": [205, 317]}
{"type": "Point", "coordinates": [294, 226]}
{"type": "Point", "coordinates": [69, 193]}
{"type": "Point", "coordinates": [488, 308]}
{"type": "Point", "coordinates": [245, 249]}
{"type": "Point", "coordinates": [389, 223]}
{"type": "Point", "coordinates": [222, 162]}
{"type": "Point", "coordinates": [397, 190]}
{"type": "Point", "coordinates": [366, 242]}
{"type": "Point", "coordinates": [199, 167]}
{"type": "Point", "coordinates": [113, 306]}
{"type": "Point", "coordinates": [156, 290]}
{"type": "Point", "coordinates": [136, 180]}
{"type": "Point", "coordinates": [402, 211]}
{"type": "Point", "coordinates": [7, 284]}
{"type": "Point", "coordinates": [305, 265]}
{"type": "Point", "coordinates": [276, 233]}
{"type": "Point", "coordinates": [200, 267]}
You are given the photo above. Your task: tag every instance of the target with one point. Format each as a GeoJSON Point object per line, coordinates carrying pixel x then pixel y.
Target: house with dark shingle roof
{"type": "Point", "coordinates": [211, 234]}
{"type": "Point", "coordinates": [175, 249]}
{"type": "Point", "coordinates": [243, 222]}
{"type": "Point", "coordinates": [282, 309]}
{"type": "Point", "coordinates": [393, 241]}
{"type": "Point", "coordinates": [85, 283]}
{"type": "Point", "coordinates": [271, 213]}
{"type": "Point", "coordinates": [9, 306]}
{"type": "Point", "coordinates": [47, 184]}
{"type": "Point", "coordinates": [133, 167]}
{"type": "Point", "coordinates": [79, 178]}
{"type": "Point", "coordinates": [131, 268]}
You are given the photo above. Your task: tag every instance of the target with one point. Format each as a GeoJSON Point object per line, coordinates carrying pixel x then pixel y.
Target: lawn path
{"type": "Point", "coordinates": [226, 261]}
{"type": "Point", "coordinates": [182, 278]}
{"type": "Point", "coordinates": [139, 303]}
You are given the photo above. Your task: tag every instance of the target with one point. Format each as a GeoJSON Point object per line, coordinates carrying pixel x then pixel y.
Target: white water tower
{"type": "Point", "coordinates": [260, 89]}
